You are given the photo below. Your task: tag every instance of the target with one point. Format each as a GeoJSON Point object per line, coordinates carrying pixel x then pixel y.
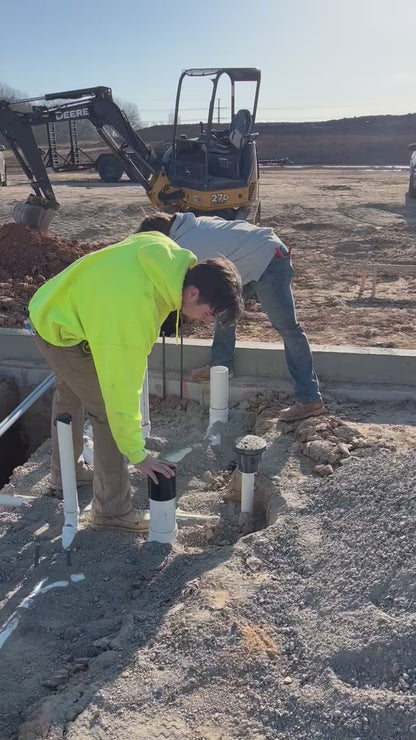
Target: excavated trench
{"type": "Point", "coordinates": [14, 443]}
{"type": "Point", "coordinates": [27, 433]}
{"type": "Point", "coordinates": [13, 452]}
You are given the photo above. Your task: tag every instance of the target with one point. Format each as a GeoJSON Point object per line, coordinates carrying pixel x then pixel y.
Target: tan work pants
{"type": "Point", "coordinates": [77, 387]}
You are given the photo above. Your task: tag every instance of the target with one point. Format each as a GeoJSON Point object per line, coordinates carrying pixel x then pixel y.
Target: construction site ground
{"type": "Point", "coordinates": [296, 625]}
{"type": "Point", "coordinates": [333, 219]}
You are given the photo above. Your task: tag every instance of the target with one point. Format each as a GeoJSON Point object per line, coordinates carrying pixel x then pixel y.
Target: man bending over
{"type": "Point", "coordinates": [265, 266]}
{"type": "Point", "coordinates": [95, 323]}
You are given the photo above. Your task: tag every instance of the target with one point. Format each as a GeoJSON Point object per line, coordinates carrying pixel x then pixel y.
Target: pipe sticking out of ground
{"type": "Point", "coordinates": [247, 493]}
{"type": "Point", "coordinates": [145, 407]}
{"type": "Point", "coordinates": [218, 394]}
{"type": "Point", "coordinates": [181, 361]}
{"type": "Point", "coordinates": [163, 365]}
{"type": "Point", "coordinates": [69, 485]}
{"type": "Point", "coordinates": [162, 505]}
{"type": "Point", "coordinates": [249, 451]}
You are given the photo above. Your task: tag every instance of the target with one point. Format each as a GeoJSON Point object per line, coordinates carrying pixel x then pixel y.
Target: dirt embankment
{"type": "Point", "coordinates": [370, 140]}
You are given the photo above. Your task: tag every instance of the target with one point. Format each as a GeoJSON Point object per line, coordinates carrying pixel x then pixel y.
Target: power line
{"type": "Point", "coordinates": [185, 110]}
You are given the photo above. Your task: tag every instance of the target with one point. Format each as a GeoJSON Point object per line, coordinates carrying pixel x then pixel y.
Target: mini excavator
{"type": "Point", "coordinates": [214, 173]}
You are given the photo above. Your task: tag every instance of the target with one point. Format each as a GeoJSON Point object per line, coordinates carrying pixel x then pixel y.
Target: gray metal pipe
{"type": "Point", "coordinates": [9, 420]}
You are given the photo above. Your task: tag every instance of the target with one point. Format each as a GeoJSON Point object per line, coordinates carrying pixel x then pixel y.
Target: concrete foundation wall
{"type": "Point", "coordinates": [359, 372]}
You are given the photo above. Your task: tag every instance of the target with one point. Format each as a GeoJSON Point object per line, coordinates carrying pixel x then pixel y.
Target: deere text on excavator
{"type": "Point", "coordinates": [215, 173]}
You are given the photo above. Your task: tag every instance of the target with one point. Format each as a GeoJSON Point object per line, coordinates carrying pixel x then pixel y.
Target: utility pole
{"type": "Point", "coordinates": [219, 110]}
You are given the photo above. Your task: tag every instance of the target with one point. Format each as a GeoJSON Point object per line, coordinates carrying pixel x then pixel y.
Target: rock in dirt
{"type": "Point", "coordinates": [328, 441]}
{"type": "Point", "coordinates": [323, 469]}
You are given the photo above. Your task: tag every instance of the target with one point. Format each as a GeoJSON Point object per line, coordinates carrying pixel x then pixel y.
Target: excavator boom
{"type": "Point", "coordinates": [94, 104]}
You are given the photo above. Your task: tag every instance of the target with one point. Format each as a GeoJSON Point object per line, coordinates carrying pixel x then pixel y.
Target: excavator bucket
{"type": "Point", "coordinates": [36, 212]}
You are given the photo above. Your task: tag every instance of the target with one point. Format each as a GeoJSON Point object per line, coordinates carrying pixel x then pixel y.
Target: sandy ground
{"type": "Point", "coordinates": [303, 630]}
{"type": "Point", "coordinates": [333, 220]}
{"type": "Point", "coordinates": [297, 625]}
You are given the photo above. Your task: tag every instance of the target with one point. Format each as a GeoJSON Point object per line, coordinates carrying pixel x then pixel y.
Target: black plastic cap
{"type": "Point", "coordinates": [248, 463]}
{"type": "Point", "coordinates": [249, 452]}
{"type": "Point", "coordinates": [164, 490]}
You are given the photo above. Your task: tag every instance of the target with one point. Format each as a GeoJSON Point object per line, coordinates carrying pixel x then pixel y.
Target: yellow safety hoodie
{"type": "Point", "coordinates": [116, 299]}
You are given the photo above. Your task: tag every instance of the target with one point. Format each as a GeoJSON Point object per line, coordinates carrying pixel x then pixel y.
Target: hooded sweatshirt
{"type": "Point", "coordinates": [251, 248]}
{"type": "Point", "coordinates": [116, 299]}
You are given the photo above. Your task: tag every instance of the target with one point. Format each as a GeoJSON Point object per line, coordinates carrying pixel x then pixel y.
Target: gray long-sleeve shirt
{"type": "Point", "coordinates": [251, 248]}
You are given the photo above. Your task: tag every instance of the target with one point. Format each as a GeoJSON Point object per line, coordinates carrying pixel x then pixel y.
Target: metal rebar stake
{"type": "Point", "coordinates": [181, 360]}
{"type": "Point", "coordinates": [164, 364]}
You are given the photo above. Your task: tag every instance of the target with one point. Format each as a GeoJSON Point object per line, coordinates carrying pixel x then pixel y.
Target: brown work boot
{"type": "Point", "coordinates": [84, 475]}
{"type": "Point", "coordinates": [134, 521]}
{"type": "Point", "coordinates": [302, 410]}
{"type": "Point", "coordinates": [203, 374]}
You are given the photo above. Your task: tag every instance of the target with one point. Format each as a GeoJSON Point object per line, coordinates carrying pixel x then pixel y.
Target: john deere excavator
{"type": "Point", "coordinates": [213, 173]}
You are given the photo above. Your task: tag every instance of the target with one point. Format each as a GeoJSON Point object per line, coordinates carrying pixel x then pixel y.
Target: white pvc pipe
{"type": "Point", "coordinates": [7, 499]}
{"type": "Point", "coordinates": [145, 407]}
{"type": "Point", "coordinates": [247, 493]}
{"type": "Point", "coordinates": [163, 526]}
{"type": "Point", "coordinates": [218, 390]}
{"type": "Point", "coordinates": [69, 484]}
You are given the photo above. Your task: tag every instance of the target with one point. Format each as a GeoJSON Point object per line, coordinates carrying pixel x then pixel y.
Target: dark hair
{"type": "Point", "coordinates": [219, 284]}
{"type": "Point", "coordinates": [157, 222]}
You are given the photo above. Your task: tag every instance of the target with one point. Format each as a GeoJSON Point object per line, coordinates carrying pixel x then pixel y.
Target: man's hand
{"type": "Point", "coordinates": [151, 465]}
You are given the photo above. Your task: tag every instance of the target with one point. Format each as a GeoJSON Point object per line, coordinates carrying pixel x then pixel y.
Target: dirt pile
{"type": "Point", "coordinates": [27, 259]}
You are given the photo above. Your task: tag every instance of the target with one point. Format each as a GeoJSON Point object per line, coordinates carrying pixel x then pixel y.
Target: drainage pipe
{"type": "Point", "coordinates": [218, 394]}
{"type": "Point", "coordinates": [164, 364]}
{"type": "Point", "coordinates": [9, 499]}
{"type": "Point", "coordinates": [69, 485]}
{"type": "Point", "coordinates": [162, 505]}
{"type": "Point", "coordinates": [181, 363]}
{"type": "Point", "coordinates": [144, 406]}
{"type": "Point", "coordinates": [249, 451]}
{"type": "Point", "coordinates": [247, 493]}
{"type": "Point", "coordinates": [9, 420]}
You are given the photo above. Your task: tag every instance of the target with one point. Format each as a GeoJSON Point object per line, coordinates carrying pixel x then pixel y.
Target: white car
{"type": "Point", "coordinates": [412, 173]}
{"type": "Point", "coordinates": [3, 171]}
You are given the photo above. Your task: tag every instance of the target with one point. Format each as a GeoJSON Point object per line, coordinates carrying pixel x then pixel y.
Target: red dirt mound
{"type": "Point", "coordinates": [25, 252]}
{"type": "Point", "coordinates": [27, 259]}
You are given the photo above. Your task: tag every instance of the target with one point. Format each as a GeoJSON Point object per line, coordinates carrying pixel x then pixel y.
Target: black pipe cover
{"type": "Point", "coordinates": [164, 490]}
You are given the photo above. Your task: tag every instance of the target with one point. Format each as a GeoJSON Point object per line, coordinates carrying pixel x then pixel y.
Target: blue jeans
{"type": "Point", "coordinates": [275, 295]}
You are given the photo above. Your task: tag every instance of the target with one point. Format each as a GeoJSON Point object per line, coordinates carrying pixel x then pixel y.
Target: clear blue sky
{"type": "Point", "coordinates": [319, 59]}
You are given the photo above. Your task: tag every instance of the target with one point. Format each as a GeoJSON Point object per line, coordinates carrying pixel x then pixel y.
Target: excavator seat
{"type": "Point", "coordinates": [226, 148]}
{"type": "Point", "coordinates": [240, 128]}
{"type": "Point", "coordinates": [225, 156]}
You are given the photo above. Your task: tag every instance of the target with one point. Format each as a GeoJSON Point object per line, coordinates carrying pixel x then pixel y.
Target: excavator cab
{"type": "Point", "coordinates": [217, 171]}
